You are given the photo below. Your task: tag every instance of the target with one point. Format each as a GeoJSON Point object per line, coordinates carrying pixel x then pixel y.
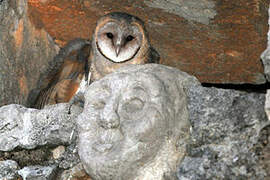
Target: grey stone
{"type": "Point", "coordinates": [267, 104]}
{"type": "Point", "coordinates": [262, 148]}
{"type": "Point", "coordinates": [25, 51]}
{"type": "Point", "coordinates": [29, 128]}
{"type": "Point", "coordinates": [37, 172]}
{"type": "Point", "coordinates": [266, 63]}
{"type": "Point", "coordinates": [229, 136]}
{"type": "Point", "coordinates": [265, 56]}
{"type": "Point", "coordinates": [192, 10]}
{"type": "Point", "coordinates": [70, 157]}
{"type": "Point", "coordinates": [58, 152]}
{"type": "Point", "coordinates": [135, 123]}
{"type": "Point", "coordinates": [8, 170]}
{"type": "Point", "coordinates": [263, 145]}
{"type": "Point", "coordinates": [225, 128]}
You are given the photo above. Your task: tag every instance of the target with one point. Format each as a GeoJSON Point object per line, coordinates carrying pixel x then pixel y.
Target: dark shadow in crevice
{"type": "Point", "coordinates": [257, 88]}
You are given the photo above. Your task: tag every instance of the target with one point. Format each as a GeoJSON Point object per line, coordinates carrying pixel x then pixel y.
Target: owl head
{"type": "Point", "coordinates": [119, 37]}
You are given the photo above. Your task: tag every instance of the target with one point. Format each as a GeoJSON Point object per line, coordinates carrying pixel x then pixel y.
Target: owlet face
{"type": "Point", "coordinates": [119, 39]}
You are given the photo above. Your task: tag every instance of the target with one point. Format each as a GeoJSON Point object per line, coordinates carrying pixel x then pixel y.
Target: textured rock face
{"type": "Point", "coordinates": [264, 141]}
{"type": "Point", "coordinates": [8, 170]}
{"type": "Point", "coordinates": [263, 148]}
{"type": "Point", "coordinates": [75, 173]}
{"type": "Point", "coordinates": [226, 127]}
{"type": "Point", "coordinates": [229, 137]}
{"type": "Point", "coordinates": [217, 41]}
{"type": "Point", "coordinates": [35, 134]}
{"type": "Point", "coordinates": [37, 173]}
{"type": "Point", "coordinates": [24, 52]}
{"type": "Point", "coordinates": [266, 54]}
{"type": "Point", "coordinates": [132, 121]}
{"type": "Point", "coordinates": [264, 144]}
{"type": "Point", "coordinates": [29, 128]}
{"type": "Point", "coordinates": [267, 104]}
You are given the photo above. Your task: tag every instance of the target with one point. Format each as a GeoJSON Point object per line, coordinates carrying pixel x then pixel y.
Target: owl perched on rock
{"type": "Point", "coordinates": [119, 39]}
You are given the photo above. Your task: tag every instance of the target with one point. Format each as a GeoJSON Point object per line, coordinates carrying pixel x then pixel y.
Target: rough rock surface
{"type": "Point", "coordinates": [265, 56]}
{"type": "Point", "coordinates": [24, 51]}
{"type": "Point", "coordinates": [267, 103]}
{"type": "Point", "coordinates": [135, 123]}
{"type": "Point", "coordinates": [264, 141]}
{"type": "Point", "coordinates": [37, 173]}
{"type": "Point", "coordinates": [263, 146]}
{"type": "Point", "coordinates": [263, 149]}
{"type": "Point", "coordinates": [75, 173]}
{"type": "Point", "coordinates": [8, 170]}
{"type": "Point", "coordinates": [226, 127]}
{"type": "Point", "coordinates": [217, 41]}
{"type": "Point", "coordinates": [43, 130]}
{"type": "Point", "coordinates": [229, 138]}
{"type": "Point", "coordinates": [29, 128]}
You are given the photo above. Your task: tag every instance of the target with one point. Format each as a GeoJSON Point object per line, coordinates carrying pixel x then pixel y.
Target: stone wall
{"type": "Point", "coordinates": [215, 40]}
{"type": "Point", "coordinates": [229, 134]}
{"type": "Point", "coordinates": [24, 52]}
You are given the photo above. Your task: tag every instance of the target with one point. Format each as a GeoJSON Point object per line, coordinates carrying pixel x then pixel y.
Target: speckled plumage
{"type": "Point", "coordinates": [63, 76]}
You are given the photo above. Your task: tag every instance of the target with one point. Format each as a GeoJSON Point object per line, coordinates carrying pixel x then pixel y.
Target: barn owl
{"type": "Point", "coordinates": [118, 39]}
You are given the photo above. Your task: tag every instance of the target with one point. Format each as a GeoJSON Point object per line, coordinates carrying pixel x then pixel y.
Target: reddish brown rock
{"type": "Point", "coordinates": [24, 52]}
{"type": "Point", "coordinates": [75, 173]}
{"type": "Point", "coordinates": [218, 41]}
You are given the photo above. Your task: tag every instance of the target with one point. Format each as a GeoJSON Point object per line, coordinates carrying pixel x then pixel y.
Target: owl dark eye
{"type": "Point", "coordinates": [109, 35]}
{"type": "Point", "coordinates": [129, 38]}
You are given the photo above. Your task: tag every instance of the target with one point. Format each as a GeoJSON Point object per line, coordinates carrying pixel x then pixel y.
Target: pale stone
{"type": "Point", "coordinates": [135, 123]}
{"type": "Point", "coordinates": [58, 152]}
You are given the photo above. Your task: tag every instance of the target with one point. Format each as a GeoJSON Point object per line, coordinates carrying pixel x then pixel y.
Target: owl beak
{"type": "Point", "coordinates": [117, 49]}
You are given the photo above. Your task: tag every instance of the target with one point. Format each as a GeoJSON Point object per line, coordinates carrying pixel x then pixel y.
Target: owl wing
{"type": "Point", "coordinates": [154, 56]}
{"type": "Point", "coordinates": [60, 92]}
{"type": "Point", "coordinates": [64, 74]}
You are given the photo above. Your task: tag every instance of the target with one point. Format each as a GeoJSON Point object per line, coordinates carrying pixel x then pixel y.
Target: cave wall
{"type": "Point", "coordinates": [215, 40]}
{"type": "Point", "coordinates": [24, 52]}
{"type": "Point", "coordinates": [218, 41]}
